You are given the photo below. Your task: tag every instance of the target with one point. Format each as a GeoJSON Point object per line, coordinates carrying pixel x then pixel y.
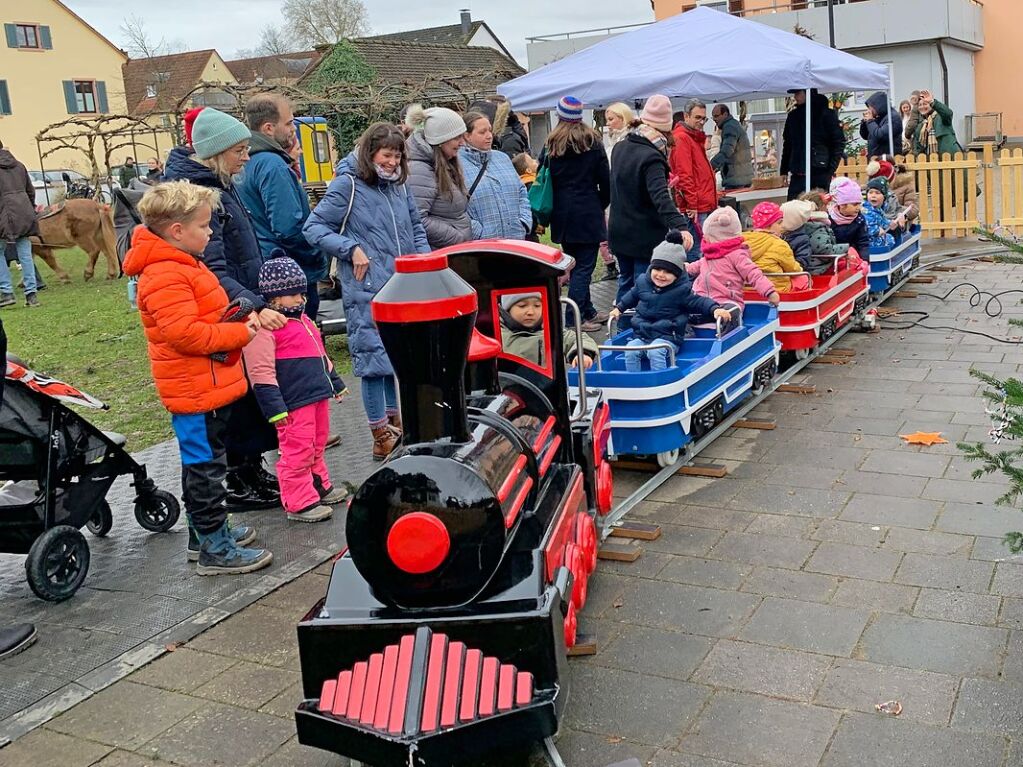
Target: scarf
{"type": "Point", "coordinates": [383, 175]}
{"type": "Point", "coordinates": [654, 136]}
{"type": "Point", "coordinates": [838, 217]}
{"type": "Point", "coordinates": [721, 249]}
{"type": "Point", "coordinates": [930, 140]}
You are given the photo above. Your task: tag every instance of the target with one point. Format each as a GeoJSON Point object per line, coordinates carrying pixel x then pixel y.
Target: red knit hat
{"type": "Point", "coordinates": [882, 168]}
{"type": "Point", "coordinates": [765, 214]}
{"type": "Point", "coordinates": [189, 121]}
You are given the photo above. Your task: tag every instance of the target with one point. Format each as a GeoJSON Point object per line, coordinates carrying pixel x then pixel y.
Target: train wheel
{"type": "Point", "coordinates": [586, 538]}
{"type": "Point", "coordinates": [571, 626]}
{"type": "Point", "coordinates": [802, 354]}
{"type": "Point", "coordinates": [667, 458]}
{"type": "Point", "coordinates": [828, 329]}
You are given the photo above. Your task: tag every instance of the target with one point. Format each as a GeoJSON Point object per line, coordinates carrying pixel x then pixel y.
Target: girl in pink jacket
{"type": "Point", "coordinates": [726, 266]}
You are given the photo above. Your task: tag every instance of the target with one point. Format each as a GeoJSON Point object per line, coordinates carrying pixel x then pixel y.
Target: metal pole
{"type": "Point", "coordinates": [891, 137]}
{"type": "Point", "coordinates": [831, 21]}
{"type": "Point", "coordinates": [809, 139]}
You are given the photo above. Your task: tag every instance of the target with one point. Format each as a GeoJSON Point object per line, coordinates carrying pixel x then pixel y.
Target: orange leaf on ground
{"type": "Point", "coordinates": [924, 438]}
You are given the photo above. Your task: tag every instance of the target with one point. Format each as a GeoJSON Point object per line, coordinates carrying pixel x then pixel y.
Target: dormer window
{"type": "Point", "coordinates": [150, 91]}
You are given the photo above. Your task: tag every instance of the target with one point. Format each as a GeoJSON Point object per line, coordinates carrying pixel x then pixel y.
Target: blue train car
{"type": "Point", "coordinates": [889, 266]}
{"type": "Point", "coordinates": [660, 412]}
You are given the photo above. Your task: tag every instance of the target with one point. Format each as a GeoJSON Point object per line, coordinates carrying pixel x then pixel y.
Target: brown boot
{"type": "Point", "coordinates": [395, 421]}
{"type": "Point", "coordinates": [384, 441]}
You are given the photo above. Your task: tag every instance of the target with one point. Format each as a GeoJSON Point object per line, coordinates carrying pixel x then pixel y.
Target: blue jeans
{"type": "Point", "coordinates": [658, 356]}
{"type": "Point", "coordinates": [28, 268]}
{"type": "Point", "coordinates": [585, 255]}
{"type": "Point", "coordinates": [695, 253]}
{"type": "Point", "coordinates": [379, 399]}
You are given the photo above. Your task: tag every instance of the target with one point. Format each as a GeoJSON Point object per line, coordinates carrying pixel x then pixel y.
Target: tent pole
{"type": "Point", "coordinates": [809, 140]}
{"type": "Point", "coordinates": [891, 136]}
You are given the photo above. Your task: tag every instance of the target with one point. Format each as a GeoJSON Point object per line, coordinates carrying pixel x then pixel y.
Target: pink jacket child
{"type": "Point", "coordinates": [726, 265]}
{"type": "Point", "coordinates": [294, 380]}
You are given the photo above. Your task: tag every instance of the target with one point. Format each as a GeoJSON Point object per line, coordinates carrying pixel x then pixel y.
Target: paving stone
{"type": "Point", "coordinates": [648, 565]}
{"type": "Point", "coordinates": [1008, 580]}
{"type": "Point", "coordinates": [259, 635]}
{"type": "Point", "coordinates": [905, 462]}
{"type": "Point", "coordinates": [855, 533]}
{"type": "Point", "coordinates": [218, 734]}
{"type": "Point", "coordinates": [641, 708]}
{"type": "Point", "coordinates": [978, 519]}
{"type": "Point", "coordinates": [805, 626]}
{"type": "Point", "coordinates": [709, 612]}
{"type": "Point", "coordinates": [886, 510]}
{"type": "Point", "coordinates": [802, 502]}
{"type": "Point", "coordinates": [951, 648]}
{"type": "Point", "coordinates": [958, 606]}
{"type": "Point", "coordinates": [985, 705]}
{"type": "Point", "coordinates": [284, 703]}
{"type": "Point", "coordinates": [927, 542]}
{"type": "Point", "coordinates": [654, 651]}
{"type": "Point", "coordinates": [699, 491]}
{"type": "Point", "coordinates": [299, 596]}
{"type": "Point", "coordinates": [863, 739]}
{"type": "Point", "coordinates": [120, 758]}
{"type": "Point", "coordinates": [820, 478]}
{"type": "Point", "coordinates": [963, 491]}
{"type": "Point", "coordinates": [765, 670]}
{"type": "Point", "coordinates": [183, 670]}
{"type": "Point", "coordinates": [792, 584]}
{"type": "Point", "coordinates": [666, 758]}
{"type": "Point", "coordinates": [753, 730]}
{"type": "Point", "coordinates": [294, 754]}
{"type": "Point", "coordinates": [715, 519]}
{"type": "Point", "coordinates": [45, 748]}
{"type": "Point", "coordinates": [587, 749]}
{"type": "Point", "coordinates": [655, 512]}
{"type": "Point", "coordinates": [603, 591]}
{"type": "Point", "coordinates": [945, 573]}
{"type": "Point", "coordinates": [891, 485]}
{"type": "Point", "coordinates": [247, 685]}
{"type": "Point", "coordinates": [833, 458]}
{"type": "Point", "coordinates": [780, 524]}
{"type": "Point", "coordinates": [704, 572]}
{"type": "Point", "coordinates": [859, 686]}
{"type": "Point", "coordinates": [854, 561]}
{"type": "Point", "coordinates": [127, 715]}
{"type": "Point", "coordinates": [770, 550]}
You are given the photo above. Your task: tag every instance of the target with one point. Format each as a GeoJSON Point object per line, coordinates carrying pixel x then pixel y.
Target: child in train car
{"type": "Point", "coordinates": [770, 252]}
{"type": "Point", "coordinates": [526, 167]}
{"type": "Point", "coordinates": [726, 265]}
{"type": "Point", "coordinates": [879, 226]}
{"type": "Point", "coordinates": [846, 213]}
{"type": "Point", "coordinates": [294, 380]}
{"type": "Point", "coordinates": [902, 194]}
{"type": "Point", "coordinates": [821, 235]}
{"type": "Point", "coordinates": [522, 333]}
{"type": "Point", "coordinates": [663, 298]}
{"type": "Point", "coordinates": [795, 215]}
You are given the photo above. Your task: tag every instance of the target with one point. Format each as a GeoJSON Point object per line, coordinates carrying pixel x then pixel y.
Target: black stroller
{"type": "Point", "coordinates": [58, 468]}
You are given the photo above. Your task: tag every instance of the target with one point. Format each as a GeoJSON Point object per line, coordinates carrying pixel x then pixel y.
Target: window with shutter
{"type": "Point", "coordinates": [5, 99]}
{"type": "Point", "coordinates": [69, 97]}
{"type": "Point", "coordinates": [45, 38]}
{"type": "Point", "coordinates": [85, 96]}
{"type": "Point", "coordinates": [25, 36]}
{"type": "Point", "coordinates": [11, 32]}
{"type": "Point", "coordinates": [101, 97]}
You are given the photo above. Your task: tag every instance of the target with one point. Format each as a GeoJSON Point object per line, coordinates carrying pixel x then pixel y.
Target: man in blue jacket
{"type": "Point", "coordinates": [272, 192]}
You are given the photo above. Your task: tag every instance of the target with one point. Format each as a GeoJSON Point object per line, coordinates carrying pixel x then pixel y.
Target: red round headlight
{"type": "Point", "coordinates": [418, 543]}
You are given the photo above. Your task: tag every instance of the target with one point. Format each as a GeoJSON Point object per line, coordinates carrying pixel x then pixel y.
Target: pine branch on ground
{"type": "Point", "coordinates": [1016, 248]}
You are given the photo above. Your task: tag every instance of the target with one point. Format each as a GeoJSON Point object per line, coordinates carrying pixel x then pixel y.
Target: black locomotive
{"type": "Point", "coordinates": [444, 630]}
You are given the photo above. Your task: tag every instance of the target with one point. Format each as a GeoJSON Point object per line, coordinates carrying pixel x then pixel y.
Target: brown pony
{"type": "Point", "coordinates": [85, 223]}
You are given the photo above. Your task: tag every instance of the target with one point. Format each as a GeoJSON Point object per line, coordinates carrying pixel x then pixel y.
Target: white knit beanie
{"type": "Point", "coordinates": [438, 124]}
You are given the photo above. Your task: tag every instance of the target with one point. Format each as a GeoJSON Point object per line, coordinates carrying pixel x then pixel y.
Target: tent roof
{"type": "Point", "coordinates": [703, 53]}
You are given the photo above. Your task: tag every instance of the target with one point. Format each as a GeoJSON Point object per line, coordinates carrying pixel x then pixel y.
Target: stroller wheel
{"type": "Point", "coordinates": [57, 563]}
{"type": "Point", "coordinates": [157, 511]}
{"type": "Point", "coordinates": [101, 521]}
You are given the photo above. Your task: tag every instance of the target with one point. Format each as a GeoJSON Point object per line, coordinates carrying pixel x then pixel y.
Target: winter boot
{"type": "Point", "coordinates": [333, 440]}
{"type": "Point", "coordinates": [244, 493]}
{"type": "Point", "coordinates": [384, 441]}
{"type": "Point", "coordinates": [315, 513]}
{"type": "Point", "coordinates": [31, 300]}
{"type": "Point", "coordinates": [395, 422]}
{"type": "Point", "coordinates": [243, 535]}
{"type": "Point", "coordinates": [7, 299]}
{"type": "Point", "coordinates": [16, 638]}
{"type": "Point", "coordinates": [336, 494]}
{"type": "Point", "coordinates": [220, 555]}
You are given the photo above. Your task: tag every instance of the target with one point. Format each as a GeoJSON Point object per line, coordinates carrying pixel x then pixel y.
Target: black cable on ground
{"type": "Point", "coordinates": [992, 308]}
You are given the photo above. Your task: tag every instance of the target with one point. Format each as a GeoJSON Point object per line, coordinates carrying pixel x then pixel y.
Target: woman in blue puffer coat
{"type": "Point", "coordinates": [367, 219]}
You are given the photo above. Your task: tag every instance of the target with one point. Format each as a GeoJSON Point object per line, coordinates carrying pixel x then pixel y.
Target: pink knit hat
{"type": "Point", "coordinates": [657, 113]}
{"type": "Point", "coordinates": [765, 214]}
{"type": "Point", "coordinates": [722, 224]}
{"type": "Point", "coordinates": [845, 191]}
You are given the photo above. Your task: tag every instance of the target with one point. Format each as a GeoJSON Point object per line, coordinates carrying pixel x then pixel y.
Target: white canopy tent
{"type": "Point", "coordinates": [701, 53]}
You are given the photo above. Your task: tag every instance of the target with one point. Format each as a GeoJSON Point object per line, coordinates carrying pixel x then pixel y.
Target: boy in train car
{"type": "Point", "coordinates": [522, 332]}
{"type": "Point", "coordinates": [663, 298]}
{"type": "Point", "coordinates": [879, 225]}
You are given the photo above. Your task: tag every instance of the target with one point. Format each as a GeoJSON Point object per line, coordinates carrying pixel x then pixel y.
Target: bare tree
{"type": "Point", "coordinates": [325, 22]}
{"type": "Point", "coordinates": [140, 44]}
{"type": "Point", "coordinates": [275, 41]}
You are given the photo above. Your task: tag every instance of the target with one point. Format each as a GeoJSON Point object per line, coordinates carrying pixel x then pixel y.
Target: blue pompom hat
{"type": "Point", "coordinates": [281, 277]}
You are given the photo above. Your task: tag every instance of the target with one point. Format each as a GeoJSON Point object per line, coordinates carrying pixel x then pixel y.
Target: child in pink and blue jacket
{"type": "Point", "coordinates": [294, 381]}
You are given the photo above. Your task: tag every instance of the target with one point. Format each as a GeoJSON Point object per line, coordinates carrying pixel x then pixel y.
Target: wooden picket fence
{"type": "Point", "coordinates": [962, 191]}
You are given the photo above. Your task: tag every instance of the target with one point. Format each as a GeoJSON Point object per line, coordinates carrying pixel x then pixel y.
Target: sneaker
{"type": "Point", "coordinates": [31, 299]}
{"type": "Point", "coordinates": [220, 555]}
{"type": "Point", "coordinates": [333, 440]}
{"type": "Point", "coordinates": [334, 495]}
{"type": "Point", "coordinates": [316, 513]}
{"type": "Point", "coordinates": [7, 299]}
{"type": "Point", "coordinates": [243, 535]}
{"type": "Point", "coordinates": [16, 638]}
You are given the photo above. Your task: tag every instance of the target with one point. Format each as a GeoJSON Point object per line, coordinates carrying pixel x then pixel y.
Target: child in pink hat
{"type": "Point", "coordinates": [846, 213]}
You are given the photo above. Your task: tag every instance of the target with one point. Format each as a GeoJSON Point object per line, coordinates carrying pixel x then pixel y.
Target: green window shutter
{"type": "Point", "coordinates": [101, 97]}
{"type": "Point", "coordinates": [5, 99]}
{"type": "Point", "coordinates": [11, 31]}
{"type": "Point", "coordinates": [45, 39]}
{"type": "Point", "coordinates": [69, 97]}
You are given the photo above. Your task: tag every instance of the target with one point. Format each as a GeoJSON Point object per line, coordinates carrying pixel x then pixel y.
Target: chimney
{"type": "Point", "coordinates": [466, 21]}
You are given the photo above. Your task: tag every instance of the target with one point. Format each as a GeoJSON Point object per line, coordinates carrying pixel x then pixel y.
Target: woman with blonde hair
{"type": "Point", "coordinates": [618, 118]}
{"type": "Point", "coordinates": [435, 174]}
{"type": "Point", "coordinates": [582, 190]}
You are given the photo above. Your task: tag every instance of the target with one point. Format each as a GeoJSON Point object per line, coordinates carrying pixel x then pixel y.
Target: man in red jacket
{"type": "Point", "coordinates": [692, 178]}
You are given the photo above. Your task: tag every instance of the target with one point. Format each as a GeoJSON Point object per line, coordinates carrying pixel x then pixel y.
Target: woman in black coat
{"type": "Point", "coordinates": [582, 191]}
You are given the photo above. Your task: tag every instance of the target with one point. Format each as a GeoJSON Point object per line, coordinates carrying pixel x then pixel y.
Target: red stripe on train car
{"type": "Point", "coordinates": [344, 683]}
{"type": "Point", "coordinates": [358, 689]}
{"type": "Point", "coordinates": [506, 688]}
{"type": "Point", "coordinates": [548, 457]}
{"type": "Point", "coordinates": [517, 504]}
{"type": "Point", "coordinates": [488, 686]}
{"type": "Point", "coordinates": [434, 683]}
{"type": "Point", "coordinates": [326, 703]}
{"type": "Point", "coordinates": [545, 432]}
{"type": "Point", "coordinates": [452, 676]}
{"type": "Point", "coordinates": [383, 712]}
{"type": "Point", "coordinates": [401, 681]}
{"type": "Point", "coordinates": [523, 688]}
{"type": "Point", "coordinates": [470, 685]}
{"type": "Point", "coordinates": [554, 551]}
{"type": "Point", "coordinates": [369, 699]}
{"type": "Point", "coordinates": [509, 482]}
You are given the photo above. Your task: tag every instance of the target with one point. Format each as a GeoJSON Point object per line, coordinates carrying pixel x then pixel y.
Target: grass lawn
{"type": "Point", "coordinates": [87, 334]}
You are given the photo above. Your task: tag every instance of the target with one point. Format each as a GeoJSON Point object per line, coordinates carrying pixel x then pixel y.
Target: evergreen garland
{"type": "Point", "coordinates": [1015, 256]}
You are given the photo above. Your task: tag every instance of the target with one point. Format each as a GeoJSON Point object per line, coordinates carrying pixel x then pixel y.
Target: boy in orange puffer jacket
{"type": "Point", "coordinates": [182, 307]}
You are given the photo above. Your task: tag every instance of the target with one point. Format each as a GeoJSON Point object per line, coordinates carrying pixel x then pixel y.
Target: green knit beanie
{"type": "Point", "coordinates": [215, 132]}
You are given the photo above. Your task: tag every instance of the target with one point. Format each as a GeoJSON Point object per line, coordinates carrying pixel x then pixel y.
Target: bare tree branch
{"type": "Point", "coordinates": [325, 22]}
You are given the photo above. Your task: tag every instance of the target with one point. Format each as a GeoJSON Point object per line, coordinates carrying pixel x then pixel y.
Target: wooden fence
{"type": "Point", "coordinates": [962, 191]}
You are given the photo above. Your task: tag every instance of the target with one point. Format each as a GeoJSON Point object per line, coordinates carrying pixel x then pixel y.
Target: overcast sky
{"type": "Point", "coordinates": [228, 25]}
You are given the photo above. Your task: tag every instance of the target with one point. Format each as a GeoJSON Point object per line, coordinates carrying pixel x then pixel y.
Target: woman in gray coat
{"type": "Point", "coordinates": [435, 174]}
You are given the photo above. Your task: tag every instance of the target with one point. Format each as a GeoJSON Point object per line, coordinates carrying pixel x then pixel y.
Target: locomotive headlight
{"type": "Point", "coordinates": [418, 543]}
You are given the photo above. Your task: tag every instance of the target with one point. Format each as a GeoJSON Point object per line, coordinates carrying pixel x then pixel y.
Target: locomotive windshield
{"type": "Point", "coordinates": [525, 326]}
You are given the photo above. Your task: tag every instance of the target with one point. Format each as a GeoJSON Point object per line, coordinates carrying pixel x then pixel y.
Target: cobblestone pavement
{"type": "Point", "coordinates": [834, 568]}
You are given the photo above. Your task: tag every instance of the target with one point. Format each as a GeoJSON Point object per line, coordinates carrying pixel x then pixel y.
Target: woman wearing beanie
{"type": "Point", "coordinates": [498, 201]}
{"type": "Point", "coordinates": [642, 208]}
{"type": "Point", "coordinates": [435, 174]}
{"type": "Point", "coordinates": [219, 151]}
{"type": "Point", "coordinates": [366, 220]}
{"type": "Point", "coordinates": [580, 176]}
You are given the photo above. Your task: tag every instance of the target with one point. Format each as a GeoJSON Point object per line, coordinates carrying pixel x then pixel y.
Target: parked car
{"type": "Point", "coordinates": [51, 186]}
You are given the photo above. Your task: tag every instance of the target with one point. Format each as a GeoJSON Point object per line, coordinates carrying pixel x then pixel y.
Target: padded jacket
{"type": "Point", "coordinates": [289, 368]}
{"type": "Point", "coordinates": [854, 234]}
{"type": "Point", "coordinates": [181, 303]}
{"type": "Point", "coordinates": [499, 206]}
{"type": "Point", "coordinates": [799, 241]}
{"type": "Point", "coordinates": [663, 313]}
{"type": "Point", "coordinates": [875, 132]}
{"type": "Point", "coordinates": [446, 220]}
{"type": "Point", "coordinates": [772, 254]}
{"type": "Point", "coordinates": [692, 177]}
{"type": "Point", "coordinates": [822, 236]}
{"type": "Point", "coordinates": [582, 191]}
{"type": "Point", "coordinates": [17, 199]}
{"type": "Point", "coordinates": [725, 268]}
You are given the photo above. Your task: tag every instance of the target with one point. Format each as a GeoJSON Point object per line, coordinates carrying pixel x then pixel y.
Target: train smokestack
{"type": "Point", "coordinates": [425, 315]}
